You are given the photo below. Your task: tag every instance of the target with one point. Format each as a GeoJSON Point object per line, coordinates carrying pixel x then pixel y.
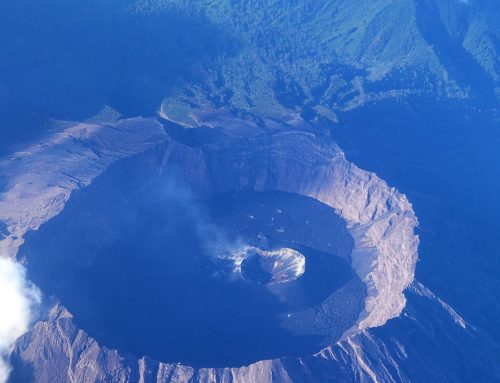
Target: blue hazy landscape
{"type": "Point", "coordinates": [249, 191]}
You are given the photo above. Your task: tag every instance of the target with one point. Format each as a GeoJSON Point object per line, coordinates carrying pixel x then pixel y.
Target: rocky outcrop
{"type": "Point", "coordinates": [57, 351]}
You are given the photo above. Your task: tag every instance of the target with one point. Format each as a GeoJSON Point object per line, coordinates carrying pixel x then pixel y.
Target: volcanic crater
{"type": "Point", "coordinates": [209, 247]}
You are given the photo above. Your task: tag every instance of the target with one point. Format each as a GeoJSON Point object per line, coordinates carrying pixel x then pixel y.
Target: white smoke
{"type": "Point", "coordinates": [19, 300]}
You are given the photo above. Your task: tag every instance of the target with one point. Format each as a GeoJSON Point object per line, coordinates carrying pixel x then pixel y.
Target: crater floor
{"type": "Point", "coordinates": [145, 270]}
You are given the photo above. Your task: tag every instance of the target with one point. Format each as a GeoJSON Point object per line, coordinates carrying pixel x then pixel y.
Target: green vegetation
{"type": "Point", "coordinates": [337, 54]}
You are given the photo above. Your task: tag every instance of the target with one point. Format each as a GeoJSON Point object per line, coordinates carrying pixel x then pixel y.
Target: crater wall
{"type": "Point", "coordinates": [38, 181]}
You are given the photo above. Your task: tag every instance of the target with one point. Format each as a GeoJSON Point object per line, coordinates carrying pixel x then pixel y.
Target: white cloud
{"type": "Point", "coordinates": [19, 300]}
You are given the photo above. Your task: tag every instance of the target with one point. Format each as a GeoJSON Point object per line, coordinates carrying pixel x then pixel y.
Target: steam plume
{"type": "Point", "coordinates": [19, 300]}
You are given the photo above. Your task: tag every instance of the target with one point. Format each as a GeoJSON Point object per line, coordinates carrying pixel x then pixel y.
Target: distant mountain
{"type": "Point", "coordinates": [344, 54]}
{"type": "Point", "coordinates": [262, 56]}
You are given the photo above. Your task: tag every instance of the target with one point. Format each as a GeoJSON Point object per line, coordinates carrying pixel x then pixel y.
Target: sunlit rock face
{"type": "Point", "coordinates": [273, 266]}
{"type": "Point", "coordinates": [330, 262]}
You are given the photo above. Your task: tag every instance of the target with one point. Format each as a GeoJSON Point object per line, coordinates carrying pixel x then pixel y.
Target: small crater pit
{"type": "Point", "coordinates": [271, 266]}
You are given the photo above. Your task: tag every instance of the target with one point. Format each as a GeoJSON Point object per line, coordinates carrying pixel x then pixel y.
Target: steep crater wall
{"type": "Point", "coordinates": [378, 217]}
